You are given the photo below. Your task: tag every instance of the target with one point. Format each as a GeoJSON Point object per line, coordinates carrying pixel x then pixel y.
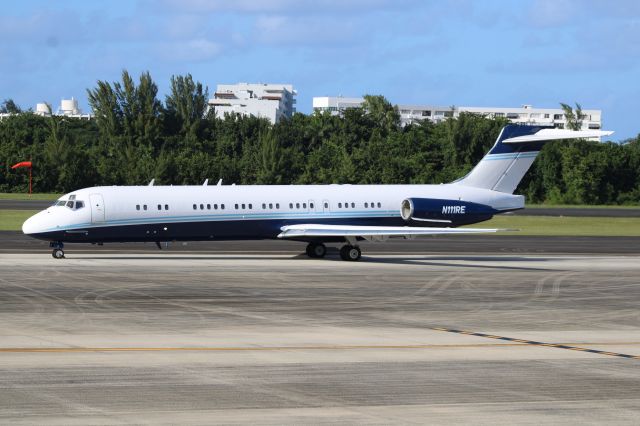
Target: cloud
{"type": "Point", "coordinates": [196, 50]}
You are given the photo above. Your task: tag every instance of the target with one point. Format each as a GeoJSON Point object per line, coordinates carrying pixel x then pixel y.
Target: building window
{"type": "Point", "coordinates": [426, 113]}
{"type": "Point", "coordinates": [498, 114]}
{"type": "Point", "coordinates": [546, 116]}
{"type": "Point", "coordinates": [137, 206]}
{"type": "Point", "coordinates": [557, 116]}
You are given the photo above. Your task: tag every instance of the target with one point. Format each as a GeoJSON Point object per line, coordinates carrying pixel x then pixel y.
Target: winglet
{"type": "Point", "coordinates": [152, 182]}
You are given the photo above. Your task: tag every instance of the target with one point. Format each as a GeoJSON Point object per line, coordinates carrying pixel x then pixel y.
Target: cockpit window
{"type": "Point", "coordinates": [70, 204]}
{"type": "Point", "coordinates": [60, 203]}
{"type": "Point", "coordinates": [79, 204]}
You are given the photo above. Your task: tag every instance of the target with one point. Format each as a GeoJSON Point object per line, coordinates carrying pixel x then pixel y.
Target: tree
{"type": "Point", "coordinates": [573, 117]}
{"type": "Point", "coordinates": [10, 107]}
{"type": "Point", "coordinates": [186, 104]}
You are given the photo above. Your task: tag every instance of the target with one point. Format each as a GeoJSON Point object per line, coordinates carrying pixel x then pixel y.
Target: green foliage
{"type": "Point", "coordinates": [135, 138]}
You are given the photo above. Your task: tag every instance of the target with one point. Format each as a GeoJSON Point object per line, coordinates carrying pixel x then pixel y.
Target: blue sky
{"type": "Point", "coordinates": [446, 52]}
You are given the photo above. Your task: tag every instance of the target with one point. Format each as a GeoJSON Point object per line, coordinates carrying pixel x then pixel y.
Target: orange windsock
{"type": "Point", "coordinates": [22, 164]}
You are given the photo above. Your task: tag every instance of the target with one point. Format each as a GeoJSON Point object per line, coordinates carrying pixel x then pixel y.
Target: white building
{"type": "Point", "coordinates": [526, 114]}
{"type": "Point", "coordinates": [67, 108]}
{"type": "Point", "coordinates": [271, 101]}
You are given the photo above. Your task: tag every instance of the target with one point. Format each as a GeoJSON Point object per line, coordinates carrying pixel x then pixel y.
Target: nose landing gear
{"type": "Point", "coordinates": [58, 252]}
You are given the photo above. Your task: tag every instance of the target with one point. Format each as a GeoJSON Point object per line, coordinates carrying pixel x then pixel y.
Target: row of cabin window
{"type": "Point", "coordinates": [215, 206]}
{"type": "Point", "coordinates": [353, 205]}
{"type": "Point", "coordinates": [144, 207]}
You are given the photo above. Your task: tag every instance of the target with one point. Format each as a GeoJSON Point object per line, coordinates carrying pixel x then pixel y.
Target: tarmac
{"type": "Point", "coordinates": [255, 332]}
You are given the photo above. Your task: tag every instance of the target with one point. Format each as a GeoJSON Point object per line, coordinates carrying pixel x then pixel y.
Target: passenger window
{"type": "Point", "coordinates": [215, 207]}
{"type": "Point", "coordinates": [326, 205]}
{"type": "Point", "coordinates": [297, 205]}
{"type": "Point", "coordinates": [236, 207]}
{"type": "Point", "coordinates": [264, 206]}
{"type": "Point", "coordinates": [353, 205]}
{"type": "Point", "coordinates": [166, 206]}
{"type": "Point", "coordinates": [366, 205]}
{"type": "Point", "coordinates": [137, 206]}
{"type": "Point", "coordinates": [339, 205]}
{"type": "Point", "coordinates": [250, 206]}
{"type": "Point", "coordinates": [144, 206]}
{"type": "Point", "coordinates": [221, 206]}
{"type": "Point", "coordinates": [277, 205]}
{"type": "Point", "coordinates": [208, 206]}
{"type": "Point", "coordinates": [290, 205]}
{"type": "Point", "coordinates": [201, 206]}
{"type": "Point", "coordinates": [379, 205]}
{"type": "Point", "coordinates": [304, 205]}
{"type": "Point", "coordinates": [243, 206]}
{"type": "Point", "coordinates": [270, 205]}
{"type": "Point", "coordinates": [195, 207]}
{"type": "Point", "coordinates": [159, 206]}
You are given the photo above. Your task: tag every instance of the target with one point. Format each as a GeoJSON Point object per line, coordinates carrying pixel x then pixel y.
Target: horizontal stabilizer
{"type": "Point", "coordinates": [554, 134]}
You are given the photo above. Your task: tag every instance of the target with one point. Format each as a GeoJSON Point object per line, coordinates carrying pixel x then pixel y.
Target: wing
{"type": "Point", "coordinates": [372, 233]}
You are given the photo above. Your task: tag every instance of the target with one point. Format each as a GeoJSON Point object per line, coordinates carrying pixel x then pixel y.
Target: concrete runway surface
{"type": "Point", "coordinates": [273, 338]}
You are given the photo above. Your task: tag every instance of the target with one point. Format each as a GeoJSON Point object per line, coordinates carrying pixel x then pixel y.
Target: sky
{"type": "Point", "coordinates": [499, 53]}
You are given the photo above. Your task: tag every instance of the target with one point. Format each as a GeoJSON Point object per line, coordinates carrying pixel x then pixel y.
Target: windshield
{"type": "Point", "coordinates": [70, 203]}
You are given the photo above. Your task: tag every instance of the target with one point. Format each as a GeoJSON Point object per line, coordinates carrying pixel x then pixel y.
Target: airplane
{"type": "Point", "coordinates": [315, 214]}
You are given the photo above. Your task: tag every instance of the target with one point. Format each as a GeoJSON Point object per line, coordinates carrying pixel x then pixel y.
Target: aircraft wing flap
{"type": "Point", "coordinates": [371, 232]}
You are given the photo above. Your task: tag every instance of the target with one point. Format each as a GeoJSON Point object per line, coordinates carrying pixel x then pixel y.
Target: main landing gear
{"type": "Point", "coordinates": [316, 250]}
{"type": "Point", "coordinates": [58, 252]}
{"type": "Point", "coordinates": [347, 252]}
{"type": "Point", "coordinates": [351, 253]}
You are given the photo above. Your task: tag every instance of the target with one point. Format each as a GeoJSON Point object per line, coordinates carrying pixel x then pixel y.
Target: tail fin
{"type": "Point", "coordinates": [514, 152]}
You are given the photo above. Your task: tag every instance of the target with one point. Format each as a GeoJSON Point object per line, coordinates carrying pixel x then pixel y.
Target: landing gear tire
{"type": "Point", "coordinates": [316, 250]}
{"type": "Point", "coordinates": [57, 253]}
{"type": "Point", "coordinates": [350, 253]}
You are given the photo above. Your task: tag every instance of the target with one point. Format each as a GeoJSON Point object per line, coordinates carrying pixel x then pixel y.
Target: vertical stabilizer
{"type": "Point", "coordinates": [514, 152]}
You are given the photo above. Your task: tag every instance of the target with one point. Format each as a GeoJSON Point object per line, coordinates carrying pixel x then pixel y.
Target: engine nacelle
{"type": "Point", "coordinates": [437, 212]}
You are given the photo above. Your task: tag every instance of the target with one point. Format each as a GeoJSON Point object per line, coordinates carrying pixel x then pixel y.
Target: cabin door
{"type": "Point", "coordinates": [97, 208]}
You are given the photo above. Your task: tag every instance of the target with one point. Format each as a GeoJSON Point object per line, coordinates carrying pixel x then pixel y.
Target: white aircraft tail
{"type": "Point", "coordinates": [514, 152]}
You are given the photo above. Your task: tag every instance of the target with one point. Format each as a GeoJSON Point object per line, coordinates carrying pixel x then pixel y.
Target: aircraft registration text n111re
{"type": "Point", "coordinates": [315, 214]}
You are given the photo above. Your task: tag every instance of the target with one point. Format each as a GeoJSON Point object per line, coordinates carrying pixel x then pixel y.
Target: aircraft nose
{"type": "Point", "coordinates": [32, 225]}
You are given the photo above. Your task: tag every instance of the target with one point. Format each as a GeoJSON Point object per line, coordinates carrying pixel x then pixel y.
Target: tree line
{"type": "Point", "coordinates": [136, 137]}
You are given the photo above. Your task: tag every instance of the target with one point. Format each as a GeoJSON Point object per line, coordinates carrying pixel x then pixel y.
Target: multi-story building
{"type": "Point", "coordinates": [68, 108]}
{"type": "Point", "coordinates": [526, 114]}
{"type": "Point", "coordinates": [272, 101]}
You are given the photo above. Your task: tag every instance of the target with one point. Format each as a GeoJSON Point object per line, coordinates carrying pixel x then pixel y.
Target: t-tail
{"type": "Point", "coordinates": [514, 152]}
